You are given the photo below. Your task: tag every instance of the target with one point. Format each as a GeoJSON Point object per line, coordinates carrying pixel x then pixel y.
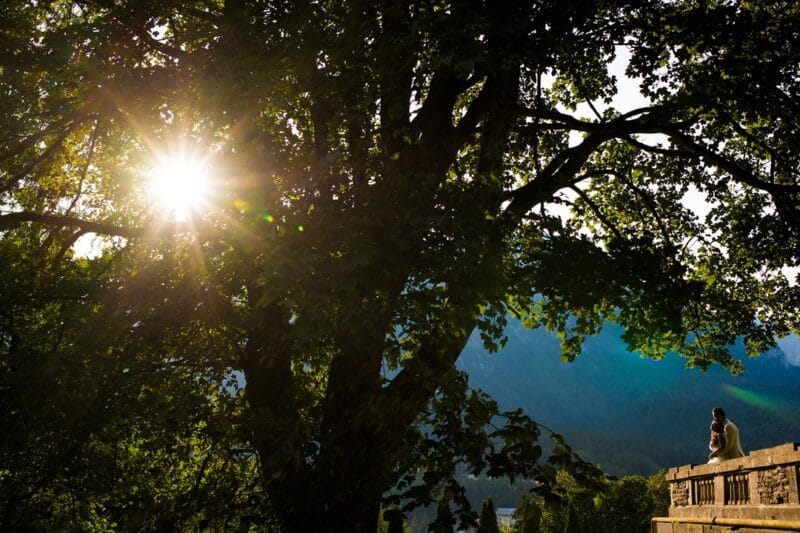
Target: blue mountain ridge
{"type": "Point", "coordinates": [633, 415]}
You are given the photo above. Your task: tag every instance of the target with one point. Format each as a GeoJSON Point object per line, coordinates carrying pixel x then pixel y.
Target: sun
{"type": "Point", "coordinates": [179, 186]}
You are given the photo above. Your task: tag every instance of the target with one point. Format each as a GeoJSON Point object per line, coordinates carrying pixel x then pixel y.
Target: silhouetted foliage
{"type": "Point", "coordinates": [487, 523]}
{"type": "Point", "coordinates": [443, 522]}
{"type": "Point", "coordinates": [382, 181]}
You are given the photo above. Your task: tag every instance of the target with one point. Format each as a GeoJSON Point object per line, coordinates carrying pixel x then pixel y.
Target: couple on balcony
{"type": "Point", "coordinates": [724, 443]}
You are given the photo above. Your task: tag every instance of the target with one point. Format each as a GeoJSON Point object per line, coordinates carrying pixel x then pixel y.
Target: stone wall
{"type": "Point", "coordinates": [679, 492]}
{"type": "Point", "coordinates": [773, 485]}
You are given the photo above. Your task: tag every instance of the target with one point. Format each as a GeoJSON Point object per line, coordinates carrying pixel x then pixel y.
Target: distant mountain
{"type": "Point", "coordinates": [633, 415]}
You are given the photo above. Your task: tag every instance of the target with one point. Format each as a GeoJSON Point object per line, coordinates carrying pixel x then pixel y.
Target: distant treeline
{"type": "Point", "coordinates": [622, 505]}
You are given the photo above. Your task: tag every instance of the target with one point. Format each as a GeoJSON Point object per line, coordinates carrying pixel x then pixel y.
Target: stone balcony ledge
{"type": "Point", "coordinates": [760, 486]}
{"type": "Point", "coordinates": [784, 454]}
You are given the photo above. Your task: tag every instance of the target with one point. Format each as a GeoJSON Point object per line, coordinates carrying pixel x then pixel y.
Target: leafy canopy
{"type": "Point", "coordinates": [383, 181]}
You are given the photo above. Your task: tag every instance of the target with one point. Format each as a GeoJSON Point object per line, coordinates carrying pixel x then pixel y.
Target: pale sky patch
{"type": "Point", "coordinates": [91, 245]}
{"type": "Point", "coordinates": [697, 202]}
{"type": "Point", "coordinates": [792, 275]}
{"type": "Point", "coordinates": [628, 96]}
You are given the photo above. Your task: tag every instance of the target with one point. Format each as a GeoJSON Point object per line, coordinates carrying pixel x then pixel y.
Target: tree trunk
{"type": "Point", "coordinates": [341, 519]}
{"type": "Point", "coordinates": [340, 499]}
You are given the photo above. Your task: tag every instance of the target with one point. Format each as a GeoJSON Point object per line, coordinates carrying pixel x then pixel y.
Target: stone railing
{"type": "Point", "coordinates": [760, 488]}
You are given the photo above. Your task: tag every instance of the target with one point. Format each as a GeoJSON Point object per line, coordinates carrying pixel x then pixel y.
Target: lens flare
{"type": "Point", "coordinates": [179, 186]}
{"type": "Point", "coordinates": [759, 400]}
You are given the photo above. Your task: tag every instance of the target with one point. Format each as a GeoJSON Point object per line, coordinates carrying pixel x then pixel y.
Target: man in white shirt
{"type": "Point", "coordinates": [732, 448]}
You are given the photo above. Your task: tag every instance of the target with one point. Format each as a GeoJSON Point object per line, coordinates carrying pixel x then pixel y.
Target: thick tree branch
{"type": "Point", "coordinates": [556, 175]}
{"type": "Point", "coordinates": [12, 220]}
{"type": "Point", "coordinates": [737, 172]}
{"type": "Point", "coordinates": [647, 120]}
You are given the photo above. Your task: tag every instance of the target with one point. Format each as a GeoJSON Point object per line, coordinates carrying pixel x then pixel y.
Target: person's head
{"type": "Point", "coordinates": [719, 414]}
{"type": "Point", "coordinates": [716, 427]}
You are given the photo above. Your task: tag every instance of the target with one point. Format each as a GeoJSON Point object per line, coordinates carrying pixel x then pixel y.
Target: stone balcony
{"type": "Point", "coordinates": [755, 493]}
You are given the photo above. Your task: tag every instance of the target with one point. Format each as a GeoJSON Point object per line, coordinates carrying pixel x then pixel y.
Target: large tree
{"type": "Point", "coordinates": [382, 182]}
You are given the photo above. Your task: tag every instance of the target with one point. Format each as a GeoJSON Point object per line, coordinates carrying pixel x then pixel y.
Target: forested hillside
{"type": "Point", "coordinates": [634, 415]}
